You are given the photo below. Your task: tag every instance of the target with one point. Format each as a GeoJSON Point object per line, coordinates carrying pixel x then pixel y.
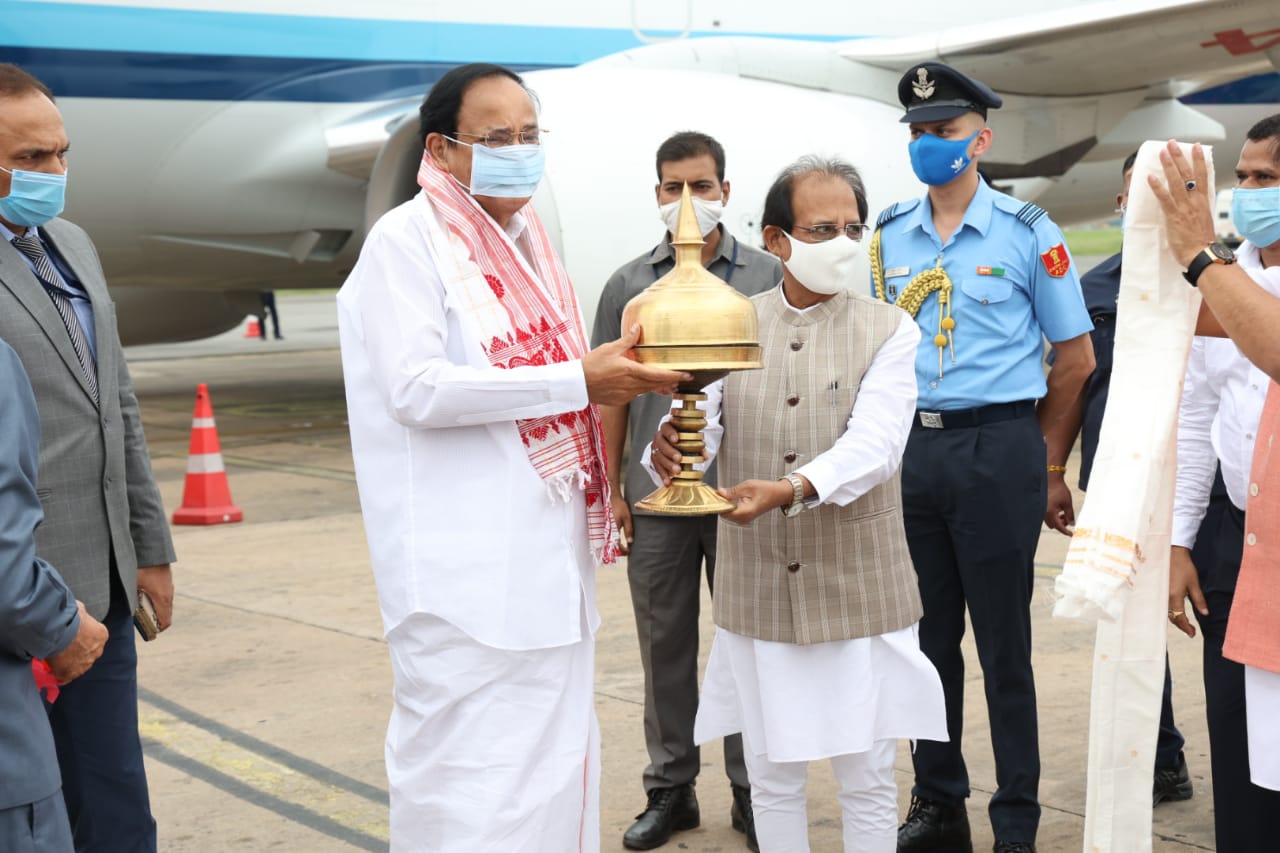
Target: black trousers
{"type": "Point", "coordinates": [1246, 817]}
{"type": "Point", "coordinates": [665, 572]}
{"type": "Point", "coordinates": [974, 499]}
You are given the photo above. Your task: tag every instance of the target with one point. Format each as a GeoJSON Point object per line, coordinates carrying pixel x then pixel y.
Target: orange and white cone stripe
{"type": "Point", "coordinates": [206, 495]}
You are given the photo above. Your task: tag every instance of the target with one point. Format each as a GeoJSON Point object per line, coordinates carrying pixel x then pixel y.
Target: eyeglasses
{"type": "Point", "coordinates": [826, 231]}
{"type": "Point", "coordinates": [502, 138]}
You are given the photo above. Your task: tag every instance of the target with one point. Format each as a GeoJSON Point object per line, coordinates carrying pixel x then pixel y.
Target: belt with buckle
{"type": "Point", "coordinates": [976, 417]}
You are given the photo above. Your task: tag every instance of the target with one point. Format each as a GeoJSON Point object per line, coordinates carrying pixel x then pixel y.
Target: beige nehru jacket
{"type": "Point", "coordinates": [832, 572]}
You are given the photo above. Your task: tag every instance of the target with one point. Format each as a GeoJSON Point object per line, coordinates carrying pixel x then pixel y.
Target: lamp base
{"type": "Point", "coordinates": [688, 497]}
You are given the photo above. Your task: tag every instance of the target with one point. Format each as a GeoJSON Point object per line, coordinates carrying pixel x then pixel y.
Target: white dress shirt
{"type": "Point", "coordinates": [1222, 400]}
{"type": "Point", "coordinates": [459, 523]}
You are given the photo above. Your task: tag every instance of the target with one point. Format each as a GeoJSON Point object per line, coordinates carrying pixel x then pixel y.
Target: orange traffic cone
{"type": "Point", "coordinates": [206, 497]}
{"type": "Point", "coordinates": [253, 330]}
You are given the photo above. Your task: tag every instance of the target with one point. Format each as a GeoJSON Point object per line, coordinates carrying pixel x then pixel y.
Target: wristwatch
{"type": "Point", "coordinates": [1214, 253]}
{"type": "Point", "coordinates": [797, 504]}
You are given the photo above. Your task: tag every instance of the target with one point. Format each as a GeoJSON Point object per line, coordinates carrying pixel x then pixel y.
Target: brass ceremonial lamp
{"type": "Point", "coordinates": [694, 322]}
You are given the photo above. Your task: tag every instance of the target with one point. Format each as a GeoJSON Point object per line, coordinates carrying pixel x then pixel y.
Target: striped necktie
{"type": "Point", "coordinates": [48, 274]}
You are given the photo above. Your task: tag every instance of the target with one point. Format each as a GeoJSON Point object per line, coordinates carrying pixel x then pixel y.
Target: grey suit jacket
{"type": "Point", "coordinates": [100, 501]}
{"type": "Point", "coordinates": [37, 612]}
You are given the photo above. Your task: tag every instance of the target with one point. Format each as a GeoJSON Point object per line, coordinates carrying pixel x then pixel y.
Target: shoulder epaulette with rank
{"type": "Point", "coordinates": [1029, 214]}
{"type": "Point", "coordinates": [895, 210]}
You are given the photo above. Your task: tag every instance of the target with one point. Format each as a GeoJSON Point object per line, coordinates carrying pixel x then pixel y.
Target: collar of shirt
{"type": "Point", "coordinates": [976, 216]}
{"type": "Point", "coordinates": [1250, 259]}
{"type": "Point", "coordinates": [664, 252]}
{"type": "Point", "coordinates": [516, 225]}
{"type": "Point", "coordinates": [9, 235]}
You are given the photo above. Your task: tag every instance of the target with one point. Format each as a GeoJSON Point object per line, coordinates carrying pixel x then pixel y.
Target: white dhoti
{"type": "Point", "coordinates": [490, 749]}
{"type": "Point", "coordinates": [1262, 715]}
{"type": "Point", "coordinates": [849, 701]}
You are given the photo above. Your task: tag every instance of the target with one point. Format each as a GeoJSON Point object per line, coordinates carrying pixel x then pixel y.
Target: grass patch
{"type": "Point", "coordinates": [1095, 241]}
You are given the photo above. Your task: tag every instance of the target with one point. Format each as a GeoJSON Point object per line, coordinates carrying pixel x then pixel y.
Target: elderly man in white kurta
{"type": "Point", "coordinates": [480, 464]}
{"type": "Point", "coordinates": [816, 652]}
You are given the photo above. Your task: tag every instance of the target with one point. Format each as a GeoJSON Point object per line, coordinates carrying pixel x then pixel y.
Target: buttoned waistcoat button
{"type": "Point", "coordinates": [1251, 539]}
{"type": "Point", "coordinates": [797, 345]}
{"type": "Point", "coordinates": [790, 456]}
{"type": "Point", "coordinates": [793, 400]}
{"type": "Point", "coordinates": [793, 567]}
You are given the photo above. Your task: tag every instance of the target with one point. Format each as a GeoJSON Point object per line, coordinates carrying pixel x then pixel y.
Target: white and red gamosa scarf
{"type": "Point", "coordinates": [527, 314]}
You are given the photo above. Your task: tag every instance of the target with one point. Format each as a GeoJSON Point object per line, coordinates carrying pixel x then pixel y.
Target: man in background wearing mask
{"type": "Point", "coordinates": [471, 398]}
{"type": "Point", "coordinates": [104, 526]}
{"type": "Point", "coordinates": [987, 278]}
{"type": "Point", "coordinates": [1101, 286]}
{"type": "Point", "coordinates": [1218, 422]}
{"type": "Point", "coordinates": [666, 554]}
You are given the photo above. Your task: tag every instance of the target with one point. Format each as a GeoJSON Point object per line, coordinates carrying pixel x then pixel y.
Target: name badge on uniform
{"type": "Point", "coordinates": [894, 272]}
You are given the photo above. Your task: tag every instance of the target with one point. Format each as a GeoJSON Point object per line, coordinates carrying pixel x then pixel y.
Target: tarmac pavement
{"type": "Point", "coordinates": [263, 709]}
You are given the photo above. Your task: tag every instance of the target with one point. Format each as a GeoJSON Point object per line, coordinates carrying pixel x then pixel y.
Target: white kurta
{"type": "Point", "coordinates": [1262, 709]}
{"type": "Point", "coordinates": [804, 702]}
{"type": "Point", "coordinates": [485, 578]}
{"type": "Point", "coordinates": [458, 521]}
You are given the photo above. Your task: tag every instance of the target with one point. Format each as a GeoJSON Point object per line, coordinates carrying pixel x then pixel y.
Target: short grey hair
{"type": "Point", "coordinates": [777, 202]}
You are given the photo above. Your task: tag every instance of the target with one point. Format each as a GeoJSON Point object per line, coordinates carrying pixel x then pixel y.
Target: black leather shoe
{"type": "Point", "coordinates": [742, 818]}
{"type": "Point", "coordinates": [934, 827]}
{"type": "Point", "coordinates": [1172, 783]}
{"type": "Point", "coordinates": [1014, 847]}
{"type": "Point", "coordinates": [669, 809]}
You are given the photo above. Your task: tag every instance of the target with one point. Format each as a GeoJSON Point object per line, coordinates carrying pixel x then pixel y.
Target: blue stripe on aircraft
{"type": "Point", "coordinates": [171, 76]}
{"type": "Point", "coordinates": [1259, 89]}
{"type": "Point", "coordinates": [82, 26]}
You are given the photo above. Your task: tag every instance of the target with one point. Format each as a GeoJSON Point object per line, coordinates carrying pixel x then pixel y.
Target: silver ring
{"type": "Point", "coordinates": [1191, 185]}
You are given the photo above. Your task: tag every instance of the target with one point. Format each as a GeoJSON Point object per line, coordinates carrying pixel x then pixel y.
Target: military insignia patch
{"type": "Point", "coordinates": [1056, 261]}
{"type": "Point", "coordinates": [922, 85]}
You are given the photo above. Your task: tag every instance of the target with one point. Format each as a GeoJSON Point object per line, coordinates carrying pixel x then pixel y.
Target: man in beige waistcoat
{"type": "Point", "coordinates": [816, 603]}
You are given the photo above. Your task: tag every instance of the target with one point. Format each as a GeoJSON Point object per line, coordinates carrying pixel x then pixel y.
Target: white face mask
{"type": "Point", "coordinates": [828, 267]}
{"type": "Point", "coordinates": [708, 213]}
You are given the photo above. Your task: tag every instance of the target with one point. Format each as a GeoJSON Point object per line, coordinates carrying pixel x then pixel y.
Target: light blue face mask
{"type": "Point", "coordinates": [512, 171]}
{"type": "Point", "coordinates": [937, 161]}
{"type": "Point", "coordinates": [1256, 215]}
{"type": "Point", "coordinates": [34, 197]}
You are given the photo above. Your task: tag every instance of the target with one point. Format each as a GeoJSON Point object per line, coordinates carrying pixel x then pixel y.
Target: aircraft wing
{"type": "Point", "coordinates": [1098, 49]}
{"type": "Point", "coordinates": [1084, 84]}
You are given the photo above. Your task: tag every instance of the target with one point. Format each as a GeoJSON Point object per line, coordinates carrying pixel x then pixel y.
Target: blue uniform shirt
{"type": "Point", "coordinates": [1013, 285]}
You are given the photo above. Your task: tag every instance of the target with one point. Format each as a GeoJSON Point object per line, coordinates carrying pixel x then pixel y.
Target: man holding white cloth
{"type": "Point", "coordinates": [480, 463]}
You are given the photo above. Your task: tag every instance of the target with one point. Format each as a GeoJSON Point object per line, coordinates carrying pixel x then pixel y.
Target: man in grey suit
{"type": "Point", "coordinates": [105, 527]}
{"type": "Point", "coordinates": [39, 618]}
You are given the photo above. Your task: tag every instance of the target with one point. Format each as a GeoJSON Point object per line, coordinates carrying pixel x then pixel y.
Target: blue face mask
{"type": "Point", "coordinates": [512, 171]}
{"type": "Point", "coordinates": [1256, 214]}
{"type": "Point", "coordinates": [938, 161]}
{"type": "Point", "coordinates": [34, 198]}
